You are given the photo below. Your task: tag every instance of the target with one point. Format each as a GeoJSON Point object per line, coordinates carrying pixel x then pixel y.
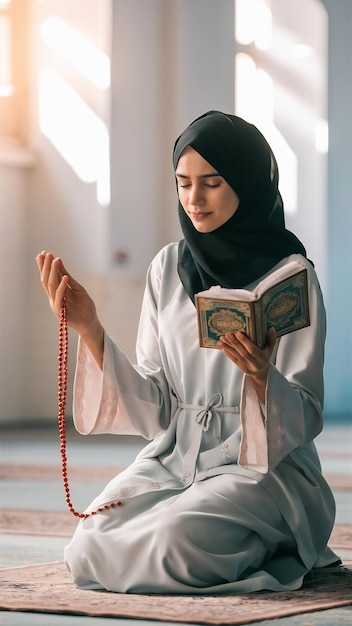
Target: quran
{"type": "Point", "coordinates": [280, 301]}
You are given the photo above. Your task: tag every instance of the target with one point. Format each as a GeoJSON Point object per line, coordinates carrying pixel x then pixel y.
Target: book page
{"type": "Point", "coordinates": [249, 296]}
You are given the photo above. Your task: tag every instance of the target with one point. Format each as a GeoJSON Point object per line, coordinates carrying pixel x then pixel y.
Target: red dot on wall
{"type": "Point", "coordinates": [121, 256]}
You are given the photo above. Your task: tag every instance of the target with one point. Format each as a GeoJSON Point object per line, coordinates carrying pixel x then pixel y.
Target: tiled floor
{"type": "Point", "coordinates": [39, 445]}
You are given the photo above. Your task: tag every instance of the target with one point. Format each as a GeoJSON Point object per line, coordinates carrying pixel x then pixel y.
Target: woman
{"type": "Point", "coordinates": [228, 496]}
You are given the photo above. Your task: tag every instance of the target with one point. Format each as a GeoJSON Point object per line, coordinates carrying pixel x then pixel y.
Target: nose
{"type": "Point", "coordinates": [196, 196]}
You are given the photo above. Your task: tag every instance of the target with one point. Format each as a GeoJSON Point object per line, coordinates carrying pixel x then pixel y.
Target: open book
{"type": "Point", "coordinates": [280, 300]}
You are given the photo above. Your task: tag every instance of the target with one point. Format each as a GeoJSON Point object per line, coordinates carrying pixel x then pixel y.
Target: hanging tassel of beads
{"type": "Point", "coordinates": [62, 397]}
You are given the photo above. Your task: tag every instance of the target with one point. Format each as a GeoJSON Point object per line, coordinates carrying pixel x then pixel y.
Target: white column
{"type": "Point", "coordinates": [14, 291]}
{"type": "Point", "coordinates": [172, 61]}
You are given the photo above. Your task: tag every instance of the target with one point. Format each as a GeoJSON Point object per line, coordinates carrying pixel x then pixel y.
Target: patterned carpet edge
{"type": "Point", "coordinates": [48, 589]}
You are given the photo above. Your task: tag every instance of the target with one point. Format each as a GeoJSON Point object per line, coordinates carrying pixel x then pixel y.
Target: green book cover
{"type": "Point", "coordinates": [279, 301]}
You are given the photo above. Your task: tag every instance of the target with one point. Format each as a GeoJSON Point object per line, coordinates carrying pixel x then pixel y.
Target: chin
{"type": "Point", "coordinates": [202, 229]}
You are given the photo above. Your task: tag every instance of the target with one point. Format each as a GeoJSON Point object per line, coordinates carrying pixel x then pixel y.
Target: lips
{"type": "Point", "coordinates": [198, 216]}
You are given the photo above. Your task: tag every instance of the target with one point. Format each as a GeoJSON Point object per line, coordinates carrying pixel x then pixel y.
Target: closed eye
{"type": "Point", "coordinates": [208, 180]}
{"type": "Point", "coordinates": [205, 184]}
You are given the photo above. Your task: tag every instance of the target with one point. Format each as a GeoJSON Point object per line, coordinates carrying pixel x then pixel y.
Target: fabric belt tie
{"type": "Point", "coordinates": [205, 413]}
{"type": "Point", "coordinates": [203, 418]}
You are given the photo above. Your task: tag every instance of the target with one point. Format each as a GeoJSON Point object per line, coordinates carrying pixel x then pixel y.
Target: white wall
{"type": "Point", "coordinates": [172, 61]}
{"type": "Point", "coordinates": [338, 371]}
{"type": "Point", "coordinates": [15, 167]}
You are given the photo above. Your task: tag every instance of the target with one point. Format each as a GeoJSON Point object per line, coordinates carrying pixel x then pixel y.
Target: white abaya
{"type": "Point", "coordinates": [228, 495]}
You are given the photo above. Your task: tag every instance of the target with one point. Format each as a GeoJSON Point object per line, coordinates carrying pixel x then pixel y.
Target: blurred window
{"type": "Point", "coordinates": [281, 84]}
{"type": "Point", "coordinates": [13, 50]}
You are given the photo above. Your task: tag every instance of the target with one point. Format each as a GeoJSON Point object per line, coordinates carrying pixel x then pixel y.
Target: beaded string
{"type": "Point", "coordinates": [62, 396]}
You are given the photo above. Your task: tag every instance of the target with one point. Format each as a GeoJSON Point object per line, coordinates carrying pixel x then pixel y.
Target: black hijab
{"type": "Point", "coordinates": [254, 239]}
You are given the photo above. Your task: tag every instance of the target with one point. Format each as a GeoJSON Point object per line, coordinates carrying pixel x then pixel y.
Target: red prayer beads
{"type": "Point", "coordinates": [62, 397]}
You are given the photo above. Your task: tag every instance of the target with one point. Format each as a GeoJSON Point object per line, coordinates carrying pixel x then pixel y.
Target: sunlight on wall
{"type": "Point", "coordinates": [6, 86]}
{"type": "Point", "coordinates": [91, 62]}
{"type": "Point", "coordinates": [254, 102]}
{"type": "Point", "coordinates": [322, 136]}
{"type": "Point", "coordinates": [253, 23]}
{"type": "Point", "coordinates": [280, 55]}
{"type": "Point", "coordinates": [76, 131]}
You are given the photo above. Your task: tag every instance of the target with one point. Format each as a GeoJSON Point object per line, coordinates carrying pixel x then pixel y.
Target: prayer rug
{"type": "Point", "coordinates": [48, 588]}
{"type": "Point", "coordinates": [18, 471]}
{"type": "Point", "coordinates": [43, 523]}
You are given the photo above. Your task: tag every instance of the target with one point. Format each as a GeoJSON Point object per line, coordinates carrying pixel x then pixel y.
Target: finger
{"type": "Point", "coordinates": [40, 259]}
{"type": "Point", "coordinates": [241, 350]}
{"type": "Point", "coordinates": [229, 345]}
{"type": "Point", "coordinates": [271, 335]}
{"type": "Point", "coordinates": [73, 284]}
{"type": "Point", "coordinates": [245, 342]}
{"type": "Point", "coordinates": [54, 278]}
{"type": "Point", "coordinates": [243, 346]}
{"type": "Point", "coordinates": [45, 263]}
{"type": "Point", "coordinates": [60, 266]}
{"type": "Point", "coordinates": [233, 355]}
{"type": "Point", "coordinates": [230, 352]}
{"type": "Point", "coordinates": [229, 339]}
{"type": "Point", "coordinates": [270, 340]}
{"type": "Point", "coordinates": [59, 295]}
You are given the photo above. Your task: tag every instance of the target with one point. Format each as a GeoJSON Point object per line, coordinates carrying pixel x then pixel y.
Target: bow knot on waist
{"type": "Point", "coordinates": [204, 416]}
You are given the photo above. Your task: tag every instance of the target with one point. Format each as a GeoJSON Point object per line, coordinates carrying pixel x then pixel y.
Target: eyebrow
{"type": "Point", "coordinates": [213, 175]}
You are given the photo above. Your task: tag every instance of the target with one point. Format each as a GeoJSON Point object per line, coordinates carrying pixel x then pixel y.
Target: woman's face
{"type": "Point", "coordinates": [205, 196]}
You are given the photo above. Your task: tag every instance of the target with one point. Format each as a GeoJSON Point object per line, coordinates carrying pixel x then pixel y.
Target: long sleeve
{"type": "Point", "coordinates": [124, 398]}
{"type": "Point", "coordinates": [292, 416]}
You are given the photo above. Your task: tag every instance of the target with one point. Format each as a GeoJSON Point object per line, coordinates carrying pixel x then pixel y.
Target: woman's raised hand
{"type": "Point", "coordinates": [81, 310]}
